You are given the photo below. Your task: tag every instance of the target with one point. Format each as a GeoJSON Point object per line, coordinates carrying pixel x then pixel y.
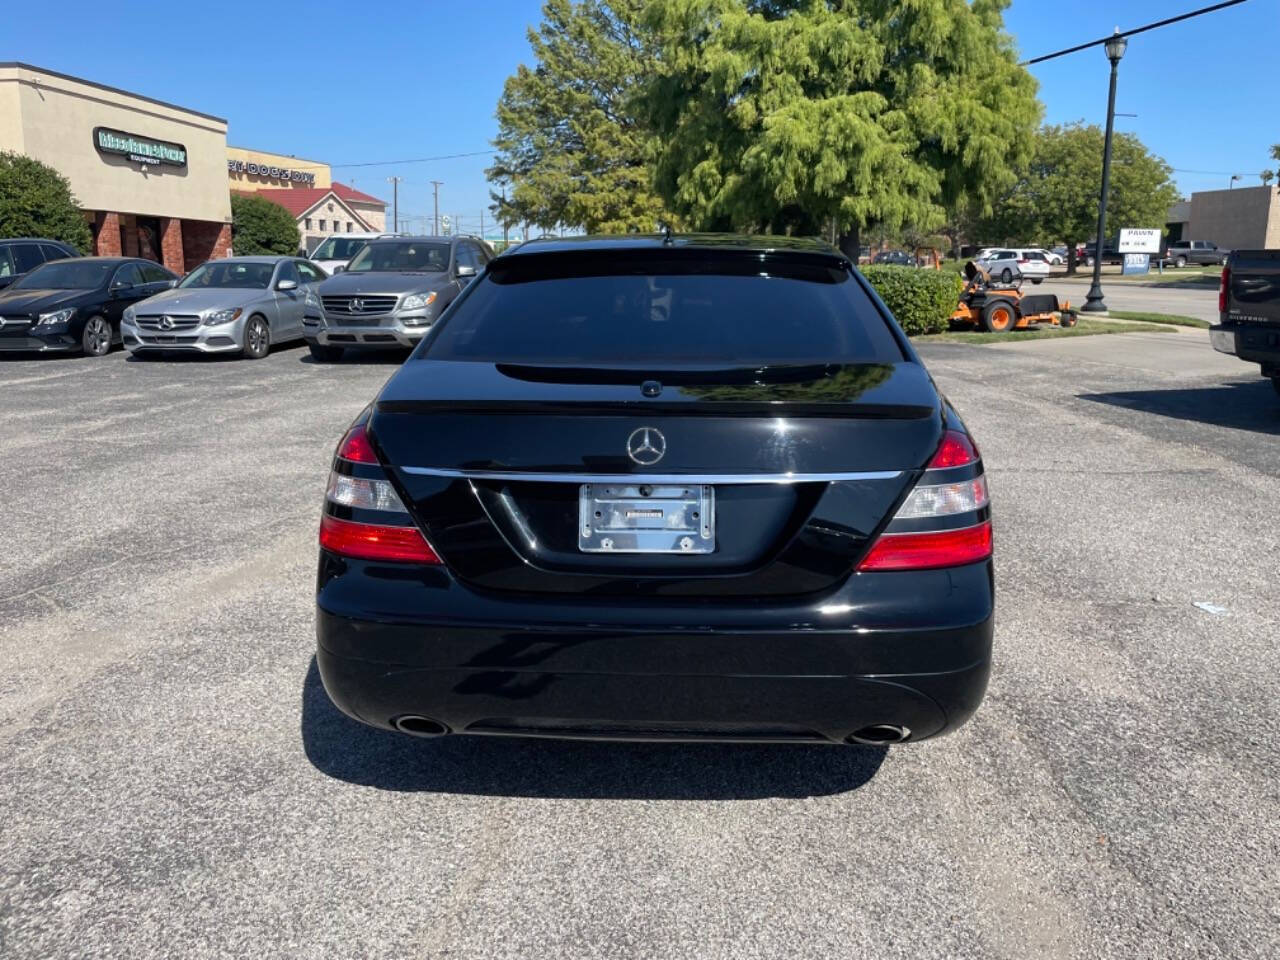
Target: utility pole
{"type": "Point", "coordinates": [506, 222]}
{"type": "Point", "coordinates": [395, 203]}
{"type": "Point", "coordinates": [482, 223]}
{"type": "Point", "coordinates": [435, 186]}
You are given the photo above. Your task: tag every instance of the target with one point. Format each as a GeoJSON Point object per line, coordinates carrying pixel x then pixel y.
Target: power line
{"type": "Point", "coordinates": [447, 156]}
{"type": "Point", "coordinates": [1133, 32]}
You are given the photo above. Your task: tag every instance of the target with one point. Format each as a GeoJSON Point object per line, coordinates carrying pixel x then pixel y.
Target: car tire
{"type": "Point", "coordinates": [1006, 276]}
{"type": "Point", "coordinates": [998, 316]}
{"type": "Point", "coordinates": [324, 354]}
{"type": "Point", "coordinates": [257, 338]}
{"type": "Point", "coordinates": [1180, 262]}
{"type": "Point", "coordinates": [95, 338]}
{"type": "Point", "coordinates": [1037, 280]}
{"type": "Point", "coordinates": [1088, 261]}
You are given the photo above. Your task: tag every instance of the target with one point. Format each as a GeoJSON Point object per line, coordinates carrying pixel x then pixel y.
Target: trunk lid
{"type": "Point", "coordinates": [806, 462]}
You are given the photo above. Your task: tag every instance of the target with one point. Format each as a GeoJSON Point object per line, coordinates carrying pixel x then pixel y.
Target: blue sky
{"type": "Point", "coordinates": [356, 83]}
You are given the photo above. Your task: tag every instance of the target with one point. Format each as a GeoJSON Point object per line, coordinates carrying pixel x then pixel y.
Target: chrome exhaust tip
{"type": "Point", "coordinates": [879, 735]}
{"type": "Point", "coordinates": [417, 726]}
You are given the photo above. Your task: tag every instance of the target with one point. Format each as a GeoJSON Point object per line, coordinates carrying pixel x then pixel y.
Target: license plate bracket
{"type": "Point", "coordinates": [646, 518]}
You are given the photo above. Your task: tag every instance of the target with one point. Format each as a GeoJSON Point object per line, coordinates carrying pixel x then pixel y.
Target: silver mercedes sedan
{"type": "Point", "coordinates": [237, 305]}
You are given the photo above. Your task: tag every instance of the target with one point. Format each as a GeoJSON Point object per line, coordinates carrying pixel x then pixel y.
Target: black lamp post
{"type": "Point", "coordinates": [1115, 47]}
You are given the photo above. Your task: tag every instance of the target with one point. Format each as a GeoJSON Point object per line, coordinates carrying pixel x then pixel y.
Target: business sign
{"type": "Point", "coordinates": [1139, 241]}
{"type": "Point", "coordinates": [270, 172]}
{"type": "Point", "coordinates": [141, 150]}
{"type": "Point", "coordinates": [1136, 263]}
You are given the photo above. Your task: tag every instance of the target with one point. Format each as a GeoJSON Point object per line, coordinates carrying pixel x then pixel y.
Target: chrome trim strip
{"type": "Point", "coordinates": [715, 478]}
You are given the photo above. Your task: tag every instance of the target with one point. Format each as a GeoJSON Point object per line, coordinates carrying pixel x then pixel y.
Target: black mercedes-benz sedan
{"type": "Point", "coordinates": [77, 304]}
{"type": "Point", "coordinates": [659, 488]}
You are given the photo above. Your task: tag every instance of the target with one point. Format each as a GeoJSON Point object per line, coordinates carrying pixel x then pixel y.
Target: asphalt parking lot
{"type": "Point", "coordinates": [174, 782]}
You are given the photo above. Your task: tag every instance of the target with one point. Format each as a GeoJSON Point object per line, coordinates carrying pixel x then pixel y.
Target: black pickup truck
{"type": "Point", "coordinates": [1249, 310]}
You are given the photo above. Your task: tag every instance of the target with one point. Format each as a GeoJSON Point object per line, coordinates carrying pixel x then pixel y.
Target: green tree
{"type": "Point", "coordinates": [259, 226]}
{"type": "Point", "coordinates": [779, 115]}
{"type": "Point", "coordinates": [36, 201]}
{"type": "Point", "coordinates": [569, 145]}
{"type": "Point", "coordinates": [1266, 176]}
{"type": "Point", "coordinates": [1057, 198]}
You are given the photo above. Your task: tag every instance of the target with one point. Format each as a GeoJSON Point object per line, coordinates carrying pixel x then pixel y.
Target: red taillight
{"type": "Point", "coordinates": [926, 551]}
{"type": "Point", "coordinates": [355, 446]}
{"type": "Point", "coordinates": [375, 541]}
{"type": "Point", "coordinates": [957, 450]}
{"type": "Point", "coordinates": [1224, 289]}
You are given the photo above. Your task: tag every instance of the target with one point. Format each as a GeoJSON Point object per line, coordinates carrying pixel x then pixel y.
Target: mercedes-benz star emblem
{"type": "Point", "coordinates": [357, 305]}
{"type": "Point", "coordinates": [646, 446]}
{"type": "Point", "coordinates": [1, 321]}
{"type": "Point", "coordinates": [166, 323]}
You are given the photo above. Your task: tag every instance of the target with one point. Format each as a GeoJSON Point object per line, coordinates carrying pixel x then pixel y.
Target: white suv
{"type": "Point", "coordinates": [1008, 263]}
{"type": "Point", "coordinates": [338, 249]}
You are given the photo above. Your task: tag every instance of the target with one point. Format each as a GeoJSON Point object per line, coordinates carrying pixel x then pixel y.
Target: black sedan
{"type": "Point", "coordinates": [659, 489]}
{"type": "Point", "coordinates": [898, 258]}
{"type": "Point", "coordinates": [68, 305]}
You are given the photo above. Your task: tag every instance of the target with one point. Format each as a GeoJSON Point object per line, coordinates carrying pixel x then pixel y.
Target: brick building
{"type": "Point", "coordinates": [150, 176]}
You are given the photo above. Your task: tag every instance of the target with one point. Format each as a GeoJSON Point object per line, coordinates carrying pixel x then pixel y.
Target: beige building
{"type": "Point", "coordinates": [254, 170]}
{"type": "Point", "coordinates": [150, 176]}
{"type": "Point", "coordinates": [1245, 218]}
{"type": "Point", "coordinates": [321, 205]}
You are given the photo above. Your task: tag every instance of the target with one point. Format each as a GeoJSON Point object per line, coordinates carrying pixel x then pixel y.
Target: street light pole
{"type": "Point", "coordinates": [1115, 48]}
{"type": "Point", "coordinates": [435, 185]}
{"type": "Point", "coordinates": [1232, 183]}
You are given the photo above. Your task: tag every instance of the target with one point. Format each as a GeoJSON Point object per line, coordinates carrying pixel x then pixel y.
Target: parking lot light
{"type": "Point", "coordinates": [1115, 47]}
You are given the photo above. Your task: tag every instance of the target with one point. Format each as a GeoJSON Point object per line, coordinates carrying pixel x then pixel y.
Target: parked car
{"type": "Point", "coordinates": [238, 304]}
{"type": "Point", "coordinates": [23, 254]}
{"type": "Point", "coordinates": [1183, 252]}
{"type": "Point", "coordinates": [1007, 265]}
{"type": "Point", "coordinates": [392, 292]}
{"type": "Point", "coordinates": [77, 303]}
{"type": "Point", "coordinates": [333, 255]}
{"type": "Point", "coordinates": [659, 489]}
{"type": "Point", "coordinates": [1056, 256]}
{"type": "Point", "coordinates": [1249, 310]}
{"type": "Point", "coordinates": [1110, 255]}
{"type": "Point", "coordinates": [895, 257]}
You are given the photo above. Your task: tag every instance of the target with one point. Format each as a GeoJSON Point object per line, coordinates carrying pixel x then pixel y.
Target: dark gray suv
{"type": "Point", "coordinates": [392, 292]}
{"type": "Point", "coordinates": [23, 254]}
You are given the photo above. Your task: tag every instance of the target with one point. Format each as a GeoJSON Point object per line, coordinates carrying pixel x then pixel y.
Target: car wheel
{"type": "Point", "coordinates": [257, 339]}
{"type": "Point", "coordinates": [95, 339]}
{"type": "Point", "coordinates": [324, 354]}
{"type": "Point", "coordinates": [1222, 261]}
{"type": "Point", "coordinates": [1088, 261]}
{"type": "Point", "coordinates": [1180, 262]}
{"type": "Point", "coordinates": [1005, 275]}
{"type": "Point", "coordinates": [998, 317]}
{"type": "Point", "coordinates": [1037, 280]}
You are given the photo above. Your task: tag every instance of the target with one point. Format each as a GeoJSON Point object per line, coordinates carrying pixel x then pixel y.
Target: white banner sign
{"type": "Point", "coordinates": [1139, 241]}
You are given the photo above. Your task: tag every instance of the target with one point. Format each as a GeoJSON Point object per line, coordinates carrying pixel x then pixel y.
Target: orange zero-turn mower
{"type": "Point", "coordinates": [999, 308]}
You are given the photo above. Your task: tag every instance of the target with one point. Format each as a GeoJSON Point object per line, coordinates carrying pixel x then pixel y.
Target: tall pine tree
{"type": "Point", "coordinates": [570, 148]}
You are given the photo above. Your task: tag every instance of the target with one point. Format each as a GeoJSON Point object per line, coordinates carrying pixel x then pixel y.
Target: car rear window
{"type": "Point", "coordinates": [734, 311]}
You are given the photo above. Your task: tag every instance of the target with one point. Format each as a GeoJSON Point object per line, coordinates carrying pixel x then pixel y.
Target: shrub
{"type": "Point", "coordinates": [921, 300]}
{"type": "Point", "coordinates": [259, 227]}
{"type": "Point", "coordinates": [36, 201]}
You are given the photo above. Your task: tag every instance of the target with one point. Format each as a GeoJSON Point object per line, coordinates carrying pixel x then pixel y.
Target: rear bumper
{"type": "Point", "coordinates": [547, 667]}
{"type": "Point", "coordinates": [1254, 344]}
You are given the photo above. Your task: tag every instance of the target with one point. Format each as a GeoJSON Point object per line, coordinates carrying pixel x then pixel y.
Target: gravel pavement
{"type": "Point", "coordinates": [175, 783]}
